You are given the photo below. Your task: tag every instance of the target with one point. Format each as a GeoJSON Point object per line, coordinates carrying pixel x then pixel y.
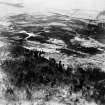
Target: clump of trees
{"type": "Point", "coordinates": [27, 67]}
{"type": "Point", "coordinates": [34, 70]}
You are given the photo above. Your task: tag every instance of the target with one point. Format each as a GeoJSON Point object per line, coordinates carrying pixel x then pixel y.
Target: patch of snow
{"type": "Point", "coordinates": [4, 23]}
{"type": "Point", "coordinates": [87, 42]}
{"type": "Point", "coordinates": [30, 34]}
{"type": "Point", "coordinates": [2, 44]}
{"type": "Point", "coordinates": [57, 24]}
{"type": "Point", "coordinates": [92, 103]}
{"type": "Point", "coordinates": [54, 103]}
{"type": "Point", "coordinates": [56, 41]}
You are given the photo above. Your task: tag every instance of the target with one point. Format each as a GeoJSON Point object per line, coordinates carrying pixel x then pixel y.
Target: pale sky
{"type": "Point", "coordinates": [65, 4]}
{"type": "Point", "coordinates": [51, 5]}
{"type": "Point", "coordinates": [62, 4]}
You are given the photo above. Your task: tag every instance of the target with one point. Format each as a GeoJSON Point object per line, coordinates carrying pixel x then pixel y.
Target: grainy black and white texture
{"type": "Point", "coordinates": [55, 57]}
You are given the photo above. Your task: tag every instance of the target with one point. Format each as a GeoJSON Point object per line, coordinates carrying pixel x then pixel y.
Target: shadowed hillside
{"type": "Point", "coordinates": [60, 57]}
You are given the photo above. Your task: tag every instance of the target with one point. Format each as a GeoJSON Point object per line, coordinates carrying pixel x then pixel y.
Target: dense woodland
{"type": "Point", "coordinates": [28, 69]}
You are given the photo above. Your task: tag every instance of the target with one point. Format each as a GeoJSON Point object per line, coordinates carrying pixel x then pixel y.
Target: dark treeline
{"type": "Point", "coordinates": [29, 68]}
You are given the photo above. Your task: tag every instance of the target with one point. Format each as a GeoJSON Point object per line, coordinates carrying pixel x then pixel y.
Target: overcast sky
{"type": "Point", "coordinates": [51, 5]}
{"type": "Point", "coordinates": [62, 4]}
{"type": "Point", "coordinates": [65, 4]}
